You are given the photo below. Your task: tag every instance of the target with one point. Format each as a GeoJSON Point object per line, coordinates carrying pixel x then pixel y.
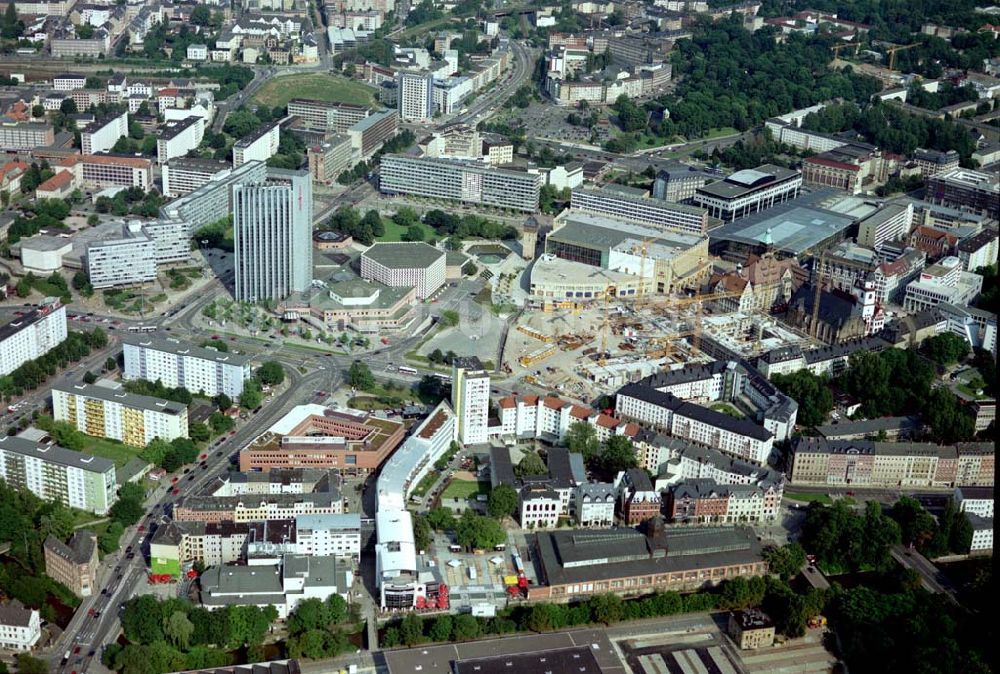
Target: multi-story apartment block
{"type": "Point", "coordinates": [748, 191]}
{"type": "Point", "coordinates": [892, 222]}
{"type": "Point", "coordinates": [370, 133]}
{"type": "Point", "coordinates": [531, 417]}
{"type": "Point", "coordinates": [884, 464]}
{"type": "Point", "coordinates": [183, 175]}
{"type": "Point", "coordinates": [965, 189]}
{"type": "Point", "coordinates": [32, 335]}
{"type": "Point", "coordinates": [74, 564]}
{"type": "Point", "coordinates": [179, 364]}
{"type": "Point", "coordinates": [415, 458]}
{"type": "Point", "coordinates": [126, 261]}
{"type": "Point", "coordinates": [329, 158]}
{"type": "Point", "coordinates": [272, 225]}
{"type": "Point", "coordinates": [416, 96]}
{"type": "Point", "coordinates": [102, 134]}
{"type": "Point", "coordinates": [595, 505]}
{"type": "Point", "coordinates": [932, 162]}
{"type": "Point", "coordinates": [20, 627]}
{"type": "Point", "coordinates": [978, 250]}
{"type": "Point", "coordinates": [540, 507]}
{"type": "Point", "coordinates": [111, 412]}
{"type": "Point", "coordinates": [179, 137]}
{"type": "Point", "coordinates": [100, 171]}
{"type": "Point", "coordinates": [24, 136]}
{"type": "Point", "coordinates": [638, 500]}
{"type": "Point", "coordinates": [260, 145]}
{"type": "Point", "coordinates": [326, 116]}
{"type": "Point", "coordinates": [213, 201]}
{"type": "Point", "coordinates": [975, 500]}
{"type": "Point", "coordinates": [181, 543]}
{"type": "Point", "coordinates": [459, 180]}
{"type": "Point", "coordinates": [738, 437]}
{"type": "Point", "coordinates": [418, 265]}
{"type": "Point", "coordinates": [69, 81]}
{"type": "Point", "coordinates": [705, 501]}
{"type": "Point", "coordinates": [678, 183]}
{"type": "Point", "coordinates": [663, 215]}
{"type": "Point", "coordinates": [51, 472]}
{"type": "Point", "coordinates": [470, 398]}
{"type": "Point", "coordinates": [337, 535]}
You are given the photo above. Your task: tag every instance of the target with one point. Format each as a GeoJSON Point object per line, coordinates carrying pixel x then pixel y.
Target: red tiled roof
{"type": "Point", "coordinates": [607, 421]}
{"type": "Point", "coordinates": [631, 430]}
{"type": "Point", "coordinates": [554, 403]}
{"type": "Point", "coordinates": [59, 180]}
{"type": "Point", "coordinates": [529, 399]}
{"type": "Point", "coordinates": [109, 160]}
{"type": "Point", "coordinates": [507, 402]}
{"type": "Point", "coordinates": [581, 412]}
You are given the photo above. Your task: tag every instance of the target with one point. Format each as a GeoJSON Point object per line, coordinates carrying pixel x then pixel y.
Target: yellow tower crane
{"type": "Point", "coordinates": [856, 46]}
{"type": "Point", "coordinates": [891, 51]}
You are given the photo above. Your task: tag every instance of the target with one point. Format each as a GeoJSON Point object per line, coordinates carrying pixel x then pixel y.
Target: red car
{"type": "Point", "coordinates": [203, 457]}
{"type": "Point", "coordinates": [175, 492]}
{"type": "Point", "coordinates": [174, 479]}
{"type": "Point", "coordinates": [76, 651]}
{"type": "Point", "coordinates": [142, 527]}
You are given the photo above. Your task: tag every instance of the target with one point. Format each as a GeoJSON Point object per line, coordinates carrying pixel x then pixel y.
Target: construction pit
{"type": "Point", "coordinates": [561, 350]}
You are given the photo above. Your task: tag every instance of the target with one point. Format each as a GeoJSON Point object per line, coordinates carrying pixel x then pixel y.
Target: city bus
{"type": "Point", "coordinates": [407, 370]}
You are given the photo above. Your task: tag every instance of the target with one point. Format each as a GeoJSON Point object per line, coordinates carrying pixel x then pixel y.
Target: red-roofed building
{"type": "Point", "coordinates": [10, 176]}
{"type": "Point", "coordinates": [935, 242]}
{"type": "Point", "coordinates": [549, 419]}
{"type": "Point", "coordinates": [59, 186]}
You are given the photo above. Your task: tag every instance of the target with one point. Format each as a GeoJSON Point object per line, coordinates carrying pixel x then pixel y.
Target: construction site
{"type": "Point", "coordinates": [585, 350]}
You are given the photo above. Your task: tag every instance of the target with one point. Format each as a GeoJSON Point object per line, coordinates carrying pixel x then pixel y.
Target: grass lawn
{"type": "Point", "coordinates": [318, 86]}
{"type": "Point", "coordinates": [463, 489]}
{"type": "Point", "coordinates": [720, 132]}
{"type": "Point", "coordinates": [110, 449]}
{"type": "Point", "coordinates": [394, 232]}
{"type": "Point", "coordinates": [426, 483]}
{"type": "Point", "coordinates": [728, 409]}
{"type": "Point", "coordinates": [819, 498]}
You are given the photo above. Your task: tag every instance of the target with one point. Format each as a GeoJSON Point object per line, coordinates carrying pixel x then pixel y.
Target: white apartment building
{"type": "Point", "coordinates": [183, 175]}
{"type": "Point", "coordinates": [738, 437]}
{"type": "Point", "coordinates": [418, 265]}
{"type": "Point", "coordinates": [68, 81]}
{"type": "Point", "coordinates": [416, 96]}
{"type": "Point", "coordinates": [48, 471]}
{"type": "Point", "coordinates": [549, 418]}
{"type": "Point", "coordinates": [213, 201]}
{"type": "Point", "coordinates": [177, 138]}
{"type": "Point", "coordinates": [975, 500]}
{"type": "Point", "coordinates": [179, 364]}
{"type": "Point", "coordinates": [979, 250]}
{"type": "Point", "coordinates": [470, 398]}
{"type": "Point", "coordinates": [197, 52]}
{"type": "Point", "coordinates": [460, 180]}
{"type": "Point", "coordinates": [415, 458]}
{"type": "Point", "coordinates": [261, 145]}
{"type": "Point", "coordinates": [329, 535]}
{"type": "Point", "coordinates": [20, 627]}
{"type": "Point", "coordinates": [982, 533]}
{"type": "Point", "coordinates": [128, 261]}
{"type": "Point", "coordinates": [595, 505]}
{"type": "Point", "coordinates": [100, 171]}
{"type": "Point", "coordinates": [942, 282]}
{"type": "Point", "coordinates": [106, 410]}
{"type": "Point", "coordinates": [660, 214]}
{"type": "Point", "coordinates": [540, 508]}
{"type": "Point", "coordinates": [32, 335]}
{"type": "Point", "coordinates": [892, 222]}
{"type": "Point", "coordinates": [272, 228]}
{"type": "Point", "coordinates": [102, 134]}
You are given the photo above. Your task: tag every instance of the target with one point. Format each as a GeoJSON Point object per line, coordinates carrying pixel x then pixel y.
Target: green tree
{"type": "Point", "coordinates": [411, 629]}
{"type": "Point", "coordinates": [619, 454]}
{"type": "Point", "coordinates": [310, 614]}
{"type": "Point", "coordinates": [360, 376]}
{"type": "Point", "coordinates": [466, 628]}
{"type": "Point", "coordinates": [503, 501]}
{"type": "Point", "coordinates": [252, 395]}
{"type": "Point", "coordinates": [441, 519]}
{"type": "Point", "coordinates": [271, 373]}
{"type": "Point", "coordinates": [785, 561]}
{"type": "Point", "coordinates": [178, 629]}
{"type": "Point", "coordinates": [108, 541]}
{"type": "Point", "coordinates": [223, 402]}
{"type": "Point", "coordinates": [28, 664]}
{"type": "Point", "coordinates": [812, 394]}
{"type": "Point", "coordinates": [478, 532]}
{"type": "Point", "coordinates": [581, 438]}
{"type": "Point", "coordinates": [531, 464]}
{"type": "Point", "coordinates": [606, 608]}
{"type": "Point", "coordinates": [441, 628]}
{"type": "Point", "coordinates": [945, 349]}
